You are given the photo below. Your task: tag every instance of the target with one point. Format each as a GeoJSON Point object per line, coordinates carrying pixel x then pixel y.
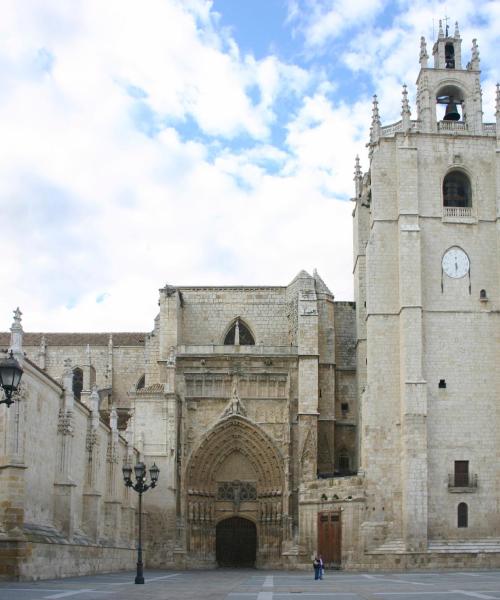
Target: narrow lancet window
{"type": "Point", "coordinates": [77, 383]}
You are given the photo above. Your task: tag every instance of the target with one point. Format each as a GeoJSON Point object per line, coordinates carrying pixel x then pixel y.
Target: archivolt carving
{"type": "Point", "coordinates": [235, 434]}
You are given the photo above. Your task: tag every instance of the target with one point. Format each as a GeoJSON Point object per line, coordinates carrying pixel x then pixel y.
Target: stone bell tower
{"type": "Point", "coordinates": [427, 285]}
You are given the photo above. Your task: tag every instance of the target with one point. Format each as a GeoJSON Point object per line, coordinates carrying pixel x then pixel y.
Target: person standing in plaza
{"type": "Point", "coordinates": [317, 568]}
{"type": "Point", "coordinates": [321, 567]}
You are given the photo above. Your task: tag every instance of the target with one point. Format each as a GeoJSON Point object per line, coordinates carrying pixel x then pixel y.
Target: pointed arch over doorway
{"type": "Point", "coordinates": [236, 471]}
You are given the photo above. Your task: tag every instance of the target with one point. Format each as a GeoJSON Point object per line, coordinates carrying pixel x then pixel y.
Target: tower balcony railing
{"type": "Point", "coordinates": [452, 126]}
{"type": "Point", "coordinates": [390, 130]}
{"type": "Point", "coordinates": [458, 212]}
{"type": "Point", "coordinates": [462, 481]}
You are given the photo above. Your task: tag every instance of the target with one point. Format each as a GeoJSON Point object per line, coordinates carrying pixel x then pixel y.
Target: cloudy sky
{"type": "Point", "coordinates": [193, 142]}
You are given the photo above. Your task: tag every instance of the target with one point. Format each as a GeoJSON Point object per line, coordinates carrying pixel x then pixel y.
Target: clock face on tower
{"type": "Point", "coordinates": [455, 262]}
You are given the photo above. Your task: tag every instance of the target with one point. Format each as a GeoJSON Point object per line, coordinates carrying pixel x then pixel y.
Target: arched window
{"type": "Point", "coordinates": [239, 335]}
{"type": "Point", "coordinates": [462, 515]}
{"type": "Point", "coordinates": [457, 190]}
{"type": "Point", "coordinates": [141, 383]}
{"type": "Point", "coordinates": [449, 56]}
{"type": "Point", "coordinates": [344, 462]}
{"type": "Point", "coordinates": [77, 383]}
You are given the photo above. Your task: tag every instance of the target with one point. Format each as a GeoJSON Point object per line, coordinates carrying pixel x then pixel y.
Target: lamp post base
{"type": "Point", "coordinates": [139, 578]}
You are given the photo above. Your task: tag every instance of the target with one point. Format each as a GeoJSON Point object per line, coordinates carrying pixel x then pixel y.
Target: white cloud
{"type": "Point", "coordinates": [321, 21]}
{"type": "Point", "coordinates": [122, 164]}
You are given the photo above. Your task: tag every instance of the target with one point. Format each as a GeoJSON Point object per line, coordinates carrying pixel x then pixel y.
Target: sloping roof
{"type": "Point", "coordinates": [77, 339]}
{"type": "Point", "coordinates": [321, 286]}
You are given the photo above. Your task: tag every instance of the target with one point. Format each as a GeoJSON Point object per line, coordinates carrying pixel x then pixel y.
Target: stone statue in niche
{"type": "Point", "coordinates": [235, 406]}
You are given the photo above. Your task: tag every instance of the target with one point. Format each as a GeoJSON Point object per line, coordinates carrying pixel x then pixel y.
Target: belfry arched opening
{"type": "Point", "coordinates": [236, 542]}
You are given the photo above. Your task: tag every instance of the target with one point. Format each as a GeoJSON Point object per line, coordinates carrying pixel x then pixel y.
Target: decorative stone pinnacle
{"type": "Point", "coordinates": [16, 334]}
{"type": "Point", "coordinates": [498, 102]}
{"type": "Point", "coordinates": [357, 168]}
{"type": "Point", "coordinates": [457, 32]}
{"type": "Point", "coordinates": [67, 364]}
{"type": "Point", "coordinates": [405, 104]}
{"type": "Point", "coordinates": [113, 419]}
{"type": "Point", "coordinates": [441, 32]}
{"type": "Point", "coordinates": [475, 54]}
{"type": "Point", "coordinates": [375, 113]}
{"type": "Point", "coordinates": [423, 49]}
{"type": "Point", "coordinates": [94, 400]}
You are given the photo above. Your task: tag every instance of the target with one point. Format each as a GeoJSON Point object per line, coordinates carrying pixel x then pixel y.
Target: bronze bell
{"type": "Point", "coordinates": [451, 113]}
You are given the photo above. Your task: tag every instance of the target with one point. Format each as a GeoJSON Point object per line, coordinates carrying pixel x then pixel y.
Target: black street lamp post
{"type": "Point", "coordinates": [10, 377]}
{"type": "Point", "coordinates": [140, 487]}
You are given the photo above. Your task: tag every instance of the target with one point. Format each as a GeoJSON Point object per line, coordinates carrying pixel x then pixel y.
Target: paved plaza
{"type": "Point", "coordinates": [263, 585]}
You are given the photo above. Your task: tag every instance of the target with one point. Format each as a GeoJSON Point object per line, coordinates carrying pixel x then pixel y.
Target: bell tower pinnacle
{"type": "Point", "coordinates": [449, 96]}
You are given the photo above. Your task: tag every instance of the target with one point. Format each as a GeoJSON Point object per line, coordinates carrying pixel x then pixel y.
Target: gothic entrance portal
{"type": "Point", "coordinates": [236, 543]}
{"type": "Point", "coordinates": [235, 505]}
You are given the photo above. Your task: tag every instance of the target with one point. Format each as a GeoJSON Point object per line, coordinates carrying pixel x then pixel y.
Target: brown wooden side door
{"type": "Point", "coordinates": [330, 538]}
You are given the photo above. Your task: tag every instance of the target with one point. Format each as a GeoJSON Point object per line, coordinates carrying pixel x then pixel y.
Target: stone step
{"type": "Point", "coordinates": [443, 547]}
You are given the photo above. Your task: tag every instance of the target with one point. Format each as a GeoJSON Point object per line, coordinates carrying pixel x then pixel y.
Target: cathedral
{"type": "Point", "coordinates": [283, 422]}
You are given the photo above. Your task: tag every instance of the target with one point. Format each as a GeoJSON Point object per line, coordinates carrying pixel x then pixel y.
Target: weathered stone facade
{"type": "Point", "coordinates": [366, 430]}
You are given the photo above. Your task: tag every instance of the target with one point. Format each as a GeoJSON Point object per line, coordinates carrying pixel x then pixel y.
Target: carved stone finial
{"type": "Point", "coordinates": [424, 57]}
{"type": "Point", "coordinates": [375, 131]}
{"type": "Point", "coordinates": [16, 334]}
{"type": "Point", "coordinates": [404, 102]}
{"type": "Point", "coordinates": [357, 169]}
{"type": "Point", "coordinates": [457, 32]}
{"type": "Point", "coordinates": [68, 367]}
{"type": "Point", "coordinates": [498, 102]}
{"type": "Point", "coordinates": [441, 32]}
{"type": "Point", "coordinates": [94, 399]}
{"type": "Point", "coordinates": [405, 109]}
{"type": "Point", "coordinates": [475, 55]}
{"type": "Point", "coordinates": [113, 419]}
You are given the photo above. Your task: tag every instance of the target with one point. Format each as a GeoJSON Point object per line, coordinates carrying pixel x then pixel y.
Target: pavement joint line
{"type": "Point", "coordinates": [476, 594]}
{"type": "Point", "coordinates": [74, 593]}
{"type": "Point", "coordinates": [268, 582]}
{"type": "Point", "coordinates": [442, 593]}
{"type": "Point", "coordinates": [146, 579]}
{"type": "Point", "coordinates": [377, 578]}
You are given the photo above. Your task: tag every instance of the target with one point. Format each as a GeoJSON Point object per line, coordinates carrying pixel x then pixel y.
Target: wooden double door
{"type": "Point", "coordinates": [330, 538]}
{"type": "Point", "coordinates": [236, 543]}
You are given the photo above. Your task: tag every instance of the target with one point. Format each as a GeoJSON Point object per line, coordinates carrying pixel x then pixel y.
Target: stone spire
{"type": "Point", "coordinates": [424, 57]}
{"type": "Point", "coordinates": [405, 109]}
{"type": "Point", "coordinates": [16, 335]}
{"type": "Point", "coordinates": [441, 32]}
{"type": "Point", "coordinates": [358, 177]}
{"type": "Point", "coordinates": [457, 32]}
{"type": "Point", "coordinates": [474, 63]}
{"type": "Point", "coordinates": [375, 131]}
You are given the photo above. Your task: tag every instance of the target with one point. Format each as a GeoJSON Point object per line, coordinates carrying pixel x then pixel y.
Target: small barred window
{"type": "Point", "coordinates": [462, 515]}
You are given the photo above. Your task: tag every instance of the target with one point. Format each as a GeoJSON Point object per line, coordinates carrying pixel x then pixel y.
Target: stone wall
{"type": "Point", "coordinates": [63, 507]}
